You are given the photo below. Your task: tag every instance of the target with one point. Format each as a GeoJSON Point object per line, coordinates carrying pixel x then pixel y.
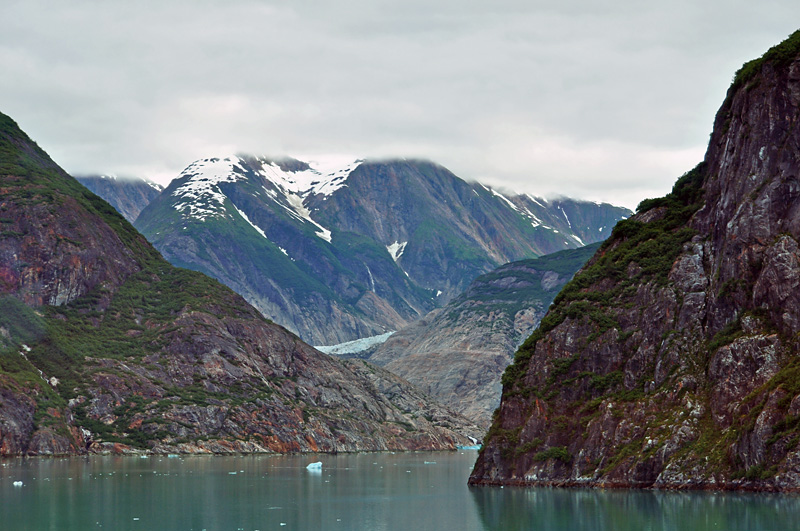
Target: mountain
{"type": "Point", "coordinates": [671, 359]}
{"type": "Point", "coordinates": [104, 346]}
{"type": "Point", "coordinates": [354, 250]}
{"type": "Point", "coordinates": [457, 354]}
{"type": "Point", "coordinates": [128, 195]}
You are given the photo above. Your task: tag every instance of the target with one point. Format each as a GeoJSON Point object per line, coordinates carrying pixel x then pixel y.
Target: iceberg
{"type": "Point", "coordinates": [314, 466]}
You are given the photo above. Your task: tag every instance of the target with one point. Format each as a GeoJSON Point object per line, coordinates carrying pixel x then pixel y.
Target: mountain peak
{"type": "Point", "coordinates": [322, 176]}
{"type": "Point", "coordinates": [198, 186]}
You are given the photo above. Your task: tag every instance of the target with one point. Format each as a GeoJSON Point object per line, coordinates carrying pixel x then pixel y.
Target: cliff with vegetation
{"type": "Point", "coordinates": [104, 346]}
{"type": "Point", "coordinates": [672, 359]}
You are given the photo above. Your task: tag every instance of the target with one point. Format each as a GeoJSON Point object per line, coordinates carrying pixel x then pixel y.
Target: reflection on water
{"type": "Point", "coordinates": [356, 491]}
{"type": "Point", "coordinates": [359, 491]}
{"type": "Point", "coordinates": [576, 509]}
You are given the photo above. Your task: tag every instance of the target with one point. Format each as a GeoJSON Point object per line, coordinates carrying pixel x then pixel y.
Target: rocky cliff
{"type": "Point", "coordinates": [671, 360]}
{"type": "Point", "coordinates": [128, 195]}
{"type": "Point", "coordinates": [104, 346]}
{"type": "Point", "coordinates": [458, 353]}
{"type": "Point", "coordinates": [358, 249]}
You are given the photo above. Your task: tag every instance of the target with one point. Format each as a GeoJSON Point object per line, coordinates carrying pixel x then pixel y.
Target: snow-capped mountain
{"type": "Point", "coordinates": [351, 250]}
{"type": "Point", "coordinates": [129, 195]}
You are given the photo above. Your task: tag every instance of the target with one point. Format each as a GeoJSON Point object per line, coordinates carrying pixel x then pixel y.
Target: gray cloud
{"type": "Point", "coordinates": [602, 101]}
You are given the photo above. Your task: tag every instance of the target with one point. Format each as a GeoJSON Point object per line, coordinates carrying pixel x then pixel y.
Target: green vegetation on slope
{"type": "Point", "coordinates": [780, 54]}
{"type": "Point", "coordinates": [651, 248]}
{"type": "Point", "coordinates": [525, 283]}
{"type": "Point", "coordinates": [31, 177]}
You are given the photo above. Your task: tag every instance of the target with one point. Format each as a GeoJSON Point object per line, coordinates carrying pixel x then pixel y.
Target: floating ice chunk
{"type": "Point", "coordinates": [315, 466]}
{"type": "Point", "coordinates": [17, 483]}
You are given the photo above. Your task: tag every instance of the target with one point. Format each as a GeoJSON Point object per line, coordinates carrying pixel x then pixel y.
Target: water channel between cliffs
{"type": "Point", "coordinates": [378, 491]}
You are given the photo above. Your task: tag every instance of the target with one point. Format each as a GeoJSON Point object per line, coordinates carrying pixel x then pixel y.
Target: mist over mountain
{"type": "Point", "coordinates": [353, 250]}
{"type": "Point", "coordinates": [128, 195]}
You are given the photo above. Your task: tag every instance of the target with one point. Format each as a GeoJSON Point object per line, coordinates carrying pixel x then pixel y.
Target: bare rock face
{"type": "Point", "coordinates": [457, 354]}
{"type": "Point", "coordinates": [671, 360]}
{"type": "Point", "coordinates": [105, 347]}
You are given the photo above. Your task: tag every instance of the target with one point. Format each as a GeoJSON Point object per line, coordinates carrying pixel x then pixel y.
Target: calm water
{"type": "Point", "coordinates": [363, 491]}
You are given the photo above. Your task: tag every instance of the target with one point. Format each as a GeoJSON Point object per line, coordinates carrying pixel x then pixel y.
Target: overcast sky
{"type": "Point", "coordinates": [608, 101]}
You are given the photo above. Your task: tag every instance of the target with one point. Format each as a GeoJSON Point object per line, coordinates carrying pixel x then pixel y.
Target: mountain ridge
{"type": "Point", "coordinates": [355, 252]}
{"type": "Point", "coordinates": [128, 195]}
{"type": "Point", "coordinates": [106, 347]}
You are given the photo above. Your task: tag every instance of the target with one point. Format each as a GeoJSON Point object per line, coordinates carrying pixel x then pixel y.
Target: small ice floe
{"type": "Point", "coordinates": [430, 462]}
{"type": "Point", "coordinates": [17, 483]}
{"type": "Point", "coordinates": [315, 467]}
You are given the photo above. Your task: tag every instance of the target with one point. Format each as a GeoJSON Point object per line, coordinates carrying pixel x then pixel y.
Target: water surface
{"type": "Point", "coordinates": [354, 491]}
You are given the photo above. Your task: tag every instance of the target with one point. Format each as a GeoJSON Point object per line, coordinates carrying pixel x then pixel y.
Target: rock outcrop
{"type": "Point", "coordinates": [105, 347]}
{"type": "Point", "coordinates": [672, 359]}
{"type": "Point", "coordinates": [458, 353]}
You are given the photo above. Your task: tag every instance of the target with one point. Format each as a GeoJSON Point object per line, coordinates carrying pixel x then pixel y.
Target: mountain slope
{"type": "Point", "coordinates": [458, 353]}
{"type": "Point", "coordinates": [105, 346]}
{"type": "Point", "coordinates": [671, 359]}
{"type": "Point", "coordinates": [127, 195]}
{"type": "Point", "coordinates": [346, 252]}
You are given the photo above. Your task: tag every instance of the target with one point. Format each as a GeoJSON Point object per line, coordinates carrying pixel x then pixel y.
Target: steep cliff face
{"type": "Point", "coordinates": [128, 195]}
{"type": "Point", "coordinates": [458, 353]}
{"type": "Point", "coordinates": [671, 360]}
{"type": "Point", "coordinates": [104, 346]}
{"type": "Point", "coordinates": [52, 250]}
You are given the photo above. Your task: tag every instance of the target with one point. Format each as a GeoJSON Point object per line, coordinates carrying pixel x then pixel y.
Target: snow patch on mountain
{"type": "Point", "coordinates": [297, 204]}
{"type": "Point", "coordinates": [319, 178]}
{"type": "Point", "coordinates": [504, 198]}
{"type": "Point", "coordinates": [200, 194]}
{"type": "Point", "coordinates": [536, 200]}
{"type": "Point", "coordinates": [565, 217]}
{"type": "Point", "coordinates": [261, 232]}
{"type": "Point", "coordinates": [396, 249]}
